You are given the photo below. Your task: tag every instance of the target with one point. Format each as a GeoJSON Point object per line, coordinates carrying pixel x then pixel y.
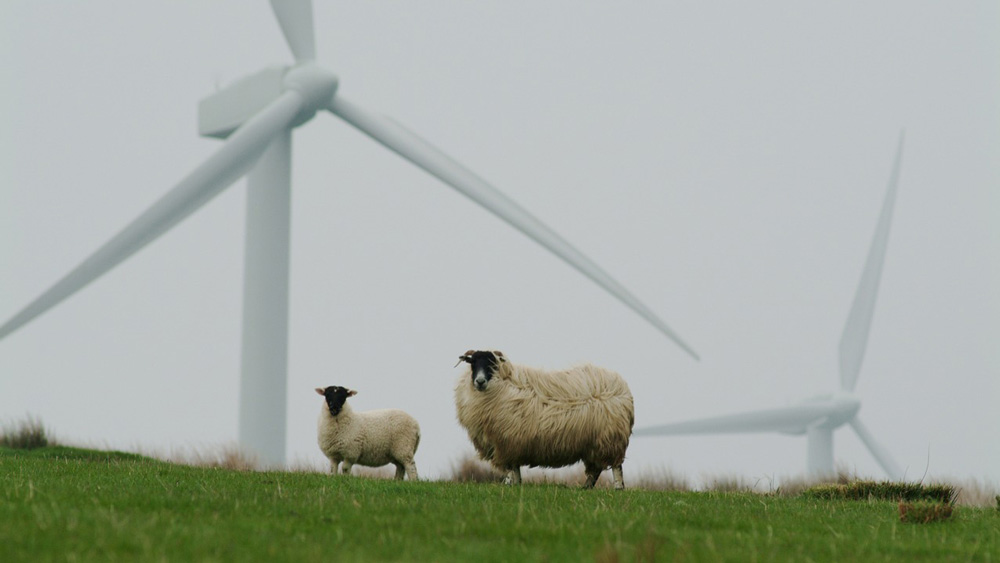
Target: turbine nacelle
{"type": "Point", "coordinates": [836, 410]}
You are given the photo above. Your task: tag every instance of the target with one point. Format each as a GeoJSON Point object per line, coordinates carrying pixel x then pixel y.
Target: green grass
{"type": "Point", "coordinates": [60, 503]}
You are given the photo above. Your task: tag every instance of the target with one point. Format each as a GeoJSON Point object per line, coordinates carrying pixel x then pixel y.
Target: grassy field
{"type": "Point", "coordinates": [59, 503]}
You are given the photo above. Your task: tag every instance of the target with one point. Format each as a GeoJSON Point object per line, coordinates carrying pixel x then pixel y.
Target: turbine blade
{"type": "Point", "coordinates": [792, 419]}
{"type": "Point", "coordinates": [229, 163]}
{"type": "Point", "coordinates": [418, 151]}
{"type": "Point", "coordinates": [854, 339]}
{"type": "Point", "coordinates": [296, 20]}
{"type": "Point", "coordinates": [880, 454]}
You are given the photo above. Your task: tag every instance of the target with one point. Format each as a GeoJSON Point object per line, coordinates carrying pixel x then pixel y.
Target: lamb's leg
{"type": "Point", "coordinates": [619, 479]}
{"type": "Point", "coordinates": [513, 476]}
{"type": "Point", "coordinates": [399, 471]}
{"type": "Point", "coordinates": [345, 469]}
{"type": "Point", "coordinates": [593, 474]}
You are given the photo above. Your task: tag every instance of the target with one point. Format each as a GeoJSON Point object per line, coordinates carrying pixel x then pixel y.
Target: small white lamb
{"type": "Point", "coordinates": [371, 438]}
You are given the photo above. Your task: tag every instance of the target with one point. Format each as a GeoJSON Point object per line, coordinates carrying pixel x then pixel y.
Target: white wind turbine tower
{"type": "Point", "coordinates": [256, 116]}
{"type": "Point", "coordinates": [818, 417]}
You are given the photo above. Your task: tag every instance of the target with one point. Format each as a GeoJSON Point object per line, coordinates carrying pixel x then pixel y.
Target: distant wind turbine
{"type": "Point", "coordinates": [818, 417]}
{"type": "Point", "coordinates": [256, 115]}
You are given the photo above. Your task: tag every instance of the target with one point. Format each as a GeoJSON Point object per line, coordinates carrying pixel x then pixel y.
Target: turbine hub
{"type": "Point", "coordinates": [316, 84]}
{"type": "Point", "coordinates": [843, 408]}
{"type": "Point", "coordinates": [226, 110]}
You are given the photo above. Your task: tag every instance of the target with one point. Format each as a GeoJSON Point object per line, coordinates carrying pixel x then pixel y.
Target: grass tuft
{"type": "Point", "coordinates": [227, 456]}
{"type": "Point", "coordinates": [795, 486]}
{"type": "Point", "coordinates": [472, 470]}
{"type": "Point", "coordinates": [924, 512]}
{"type": "Point", "coordinates": [28, 434]}
{"type": "Point", "coordinates": [232, 458]}
{"type": "Point", "coordinates": [884, 490]}
{"type": "Point", "coordinates": [973, 492]}
{"type": "Point", "coordinates": [729, 484]}
{"type": "Point", "coordinates": [658, 480]}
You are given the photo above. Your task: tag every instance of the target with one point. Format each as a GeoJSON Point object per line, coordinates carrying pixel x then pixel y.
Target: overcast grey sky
{"type": "Point", "coordinates": [725, 161]}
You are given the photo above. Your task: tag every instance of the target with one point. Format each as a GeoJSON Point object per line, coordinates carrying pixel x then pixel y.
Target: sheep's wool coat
{"type": "Point", "coordinates": [528, 416]}
{"type": "Point", "coordinates": [371, 438]}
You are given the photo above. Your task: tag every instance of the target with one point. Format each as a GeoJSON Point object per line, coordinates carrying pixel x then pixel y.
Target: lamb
{"type": "Point", "coordinates": [517, 415]}
{"type": "Point", "coordinates": [371, 438]}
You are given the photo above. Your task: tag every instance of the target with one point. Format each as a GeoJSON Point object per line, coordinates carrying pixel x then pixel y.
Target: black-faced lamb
{"type": "Point", "coordinates": [517, 415]}
{"type": "Point", "coordinates": [371, 438]}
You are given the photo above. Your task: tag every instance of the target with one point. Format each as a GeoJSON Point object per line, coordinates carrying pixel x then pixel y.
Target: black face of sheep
{"type": "Point", "coordinates": [336, 397]}
{"type": "Point", "coordinates": [484, 366]}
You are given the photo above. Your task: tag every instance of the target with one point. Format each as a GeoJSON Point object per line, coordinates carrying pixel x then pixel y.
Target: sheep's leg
{"type": "Point", "coordinates": [619, 479]}
{"type": "Point", "coordinates": [593, 474]}
{"type": "Point", "coordinates": [399, 471]}
{"type": "Point", "coordinates": [411, 471]}
{"type": "Point", "coordinates": [513, 476]}
{"type": "Point", "coordinates": [345, 469]}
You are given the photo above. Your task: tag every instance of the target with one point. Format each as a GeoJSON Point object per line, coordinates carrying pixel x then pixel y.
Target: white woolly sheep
{"type": "Point", "coordinates": [517, 415]}
{"type": "Point", "coordinates": [371, 438]}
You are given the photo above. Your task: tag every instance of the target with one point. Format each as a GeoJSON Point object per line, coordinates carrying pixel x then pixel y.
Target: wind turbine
{"type": "Point", "coordinates": [256, 116]}
{"type": "Point", "coordinates": [818, 417]}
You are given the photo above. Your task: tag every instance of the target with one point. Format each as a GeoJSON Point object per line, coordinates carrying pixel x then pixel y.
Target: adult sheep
{"type": "Point", "coordinates": [517, 415]}
{"type": "Point", "coordinates": [371, 438]}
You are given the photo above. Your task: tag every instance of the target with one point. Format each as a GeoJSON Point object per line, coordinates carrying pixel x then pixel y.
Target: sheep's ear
{"type": "Point", "coordinates": [499, 355]}
{"type": "Point", "coordinates": [351, 392]}
{"type": "Point", "coordinates": [319, 390]}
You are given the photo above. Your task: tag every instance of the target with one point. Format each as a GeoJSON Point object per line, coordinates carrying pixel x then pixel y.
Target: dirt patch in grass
{"type": "Point", "coordinates": [924, 512]}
